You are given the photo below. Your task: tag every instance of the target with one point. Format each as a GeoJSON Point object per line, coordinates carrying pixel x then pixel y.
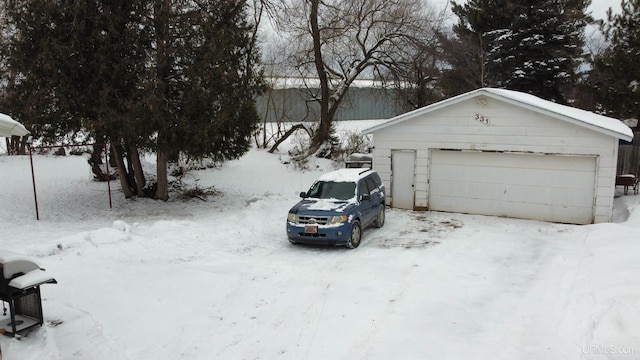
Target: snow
{"type": "Point", "coordinates": [30, 279]}
{"type": "Point", "coordinates": [345, 175]}
{"type": "Point", "coordinates": [219, 280]}
{"type": "Point", "coordinates": [327, 205]}
{"type": "Point", "coordinates": [578, 115]}
{"type": "Point", "coordinates": [611, 126]}
{"type": "Point", "coordinates": [13, 263]}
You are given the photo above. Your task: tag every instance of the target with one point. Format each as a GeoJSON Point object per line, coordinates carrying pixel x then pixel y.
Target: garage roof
{"type": "Point", "coordinates": [593, 121]}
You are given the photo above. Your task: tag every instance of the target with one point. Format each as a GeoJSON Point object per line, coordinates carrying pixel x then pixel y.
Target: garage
{"type": "Point", "coordinates": [501, 153]}
{"type": "Point", "coordinates": [541, 187]}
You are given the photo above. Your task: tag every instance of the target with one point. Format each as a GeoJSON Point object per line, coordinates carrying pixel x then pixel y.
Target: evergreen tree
{"type": "Point", "coordinates": [77, 67]}
{"type": "Point", "coordinates": [615, 75]}
{"type": "Point", "coordinates": [76, 64]}
{"type": "Point", "coordinates": [171, 76]}
{"type": "Point", "coordinates": [203, 83]}
{"type": "Point", "coordinates": [466, 51]}
{"type": "Point", "coordinates": [531, 46]}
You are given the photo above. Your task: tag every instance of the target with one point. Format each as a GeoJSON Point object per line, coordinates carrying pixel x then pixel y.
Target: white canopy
{"type": "Point", "coordinates": [10, 127]}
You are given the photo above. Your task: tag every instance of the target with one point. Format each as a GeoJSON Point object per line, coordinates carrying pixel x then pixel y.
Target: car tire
{"type": "Point", "coordinates": [293, 242]}
{"type": "Point", "coordinates": [356, 235]}
{"type": "Point", "coordinates": [381, 215]}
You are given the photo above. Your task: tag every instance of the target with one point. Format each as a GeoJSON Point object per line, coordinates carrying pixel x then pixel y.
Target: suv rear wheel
{"type": "Point", "coordinates": [356, 235]}
{"type": "Point", "coordinates": [380, 218]}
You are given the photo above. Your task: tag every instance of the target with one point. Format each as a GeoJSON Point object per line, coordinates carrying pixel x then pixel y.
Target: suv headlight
{"type": "Point", "coordinates": [292, 218]}
{"type": "Point", "coordinates": [337, 219]}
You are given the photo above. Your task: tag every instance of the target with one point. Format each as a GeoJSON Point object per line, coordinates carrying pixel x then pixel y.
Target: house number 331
{"type": "Point", "coordinates": [481, 118]}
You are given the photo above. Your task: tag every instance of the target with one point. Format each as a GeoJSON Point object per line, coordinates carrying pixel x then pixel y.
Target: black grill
{"type": "Point", "coordinates": [20, 280]}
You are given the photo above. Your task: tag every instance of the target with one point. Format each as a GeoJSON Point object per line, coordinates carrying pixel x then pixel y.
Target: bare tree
{"type": "Point", "coordinates": [338, 41]}
{"type": "Point", "coordinates": [417, 69]}
{"type": "Point", "coordinates": [275, 105]}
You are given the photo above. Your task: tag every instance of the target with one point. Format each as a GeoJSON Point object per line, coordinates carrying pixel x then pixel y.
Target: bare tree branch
{"type": "Point", "coordinates": [338, 41]}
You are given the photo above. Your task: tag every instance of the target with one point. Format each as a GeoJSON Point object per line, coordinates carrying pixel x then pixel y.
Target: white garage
{"type": "Point", "coordinates": [502, 153]}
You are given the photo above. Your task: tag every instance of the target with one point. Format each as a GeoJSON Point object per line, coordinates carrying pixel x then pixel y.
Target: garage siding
{"type": "Point", "coordinates": [510, 128]}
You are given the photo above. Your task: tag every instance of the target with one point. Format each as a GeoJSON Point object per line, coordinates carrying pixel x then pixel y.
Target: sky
{"type": "Point", "coordinates": [598, 7]}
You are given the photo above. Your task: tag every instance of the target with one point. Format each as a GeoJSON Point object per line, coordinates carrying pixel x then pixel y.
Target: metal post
{"type": "Point", "coordinates": [12, 313]}
{"type": "Point", "coordinates": [33, 179]}
{"type": "Point", "coordinates": [106, 159]}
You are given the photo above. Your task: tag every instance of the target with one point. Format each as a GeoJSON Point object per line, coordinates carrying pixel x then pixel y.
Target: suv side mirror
{"type": "Point", "coordinates": [365, 197]}
{"type": "Point", "coordinates": [303, 195]}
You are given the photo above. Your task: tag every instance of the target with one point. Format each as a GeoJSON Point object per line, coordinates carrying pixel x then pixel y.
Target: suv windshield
{"type": "Point", "coordinates": [333, 190]}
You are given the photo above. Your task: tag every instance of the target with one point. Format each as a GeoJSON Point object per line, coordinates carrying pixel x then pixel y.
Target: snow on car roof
{"type": "Point", "coordinates": [345, 175]}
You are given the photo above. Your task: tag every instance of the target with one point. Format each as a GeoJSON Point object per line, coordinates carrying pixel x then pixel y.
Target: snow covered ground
{"type": "Point", "coordinates": [219, 280]}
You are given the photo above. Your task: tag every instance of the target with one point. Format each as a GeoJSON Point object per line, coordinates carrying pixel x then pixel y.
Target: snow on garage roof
{"type": "Point", "coordinates": [600, 123]}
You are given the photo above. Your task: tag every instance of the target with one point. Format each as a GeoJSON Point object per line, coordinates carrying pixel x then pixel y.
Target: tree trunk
{"type": "Point", "coordinates": [320, 138]}
{"type": "Point", "coordinates": [322, 134]}
{"type": "Point", "coordinates": [138, 174]}
{"type": "Point", "coordinates": [286, 135]}
{"type": "Point", "coordinates": [162, 191]}
{"type": "Point", "coordinates": [131, 179]}
{"type": "Point", "coordinates": [95, 161]}
{"type": "Point", "coordinates": [122, 171]}
{"type": "Point", "coordinates": [16, 145]}
{"type": "Point", "coordinates": [162, 16]}
{"type": "Point", "coordinates": [22, 150]}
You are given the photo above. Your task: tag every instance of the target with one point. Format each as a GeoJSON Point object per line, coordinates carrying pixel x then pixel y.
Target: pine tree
{"type": "Point", "coordinates": [201, 88]}
{"type": "Point", "coordinates": [466, 52]}
{"type": "Point", "coordinates": [78, 66]}
{"type": "Point", "coordinates": [171, 76]}
{"type": "Point", "coordinates": [616, 75]}
{"type": "Point", "coordinates": [76, 63]}
{"type": "Point", "coordinates": [531, 46]}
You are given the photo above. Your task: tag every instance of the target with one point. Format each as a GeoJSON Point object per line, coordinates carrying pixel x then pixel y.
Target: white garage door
{"type": "Point", "coordinates": [541, 187]}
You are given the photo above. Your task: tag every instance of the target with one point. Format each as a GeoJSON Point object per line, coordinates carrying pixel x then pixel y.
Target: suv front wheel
{"type": "Point", "coordinates": [356, 235]}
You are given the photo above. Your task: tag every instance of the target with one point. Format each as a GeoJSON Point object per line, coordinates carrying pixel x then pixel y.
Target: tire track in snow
{"type": "Point", "coordinates": [367, 342]}
{"type": "Point", "coordinates": [250, 298]}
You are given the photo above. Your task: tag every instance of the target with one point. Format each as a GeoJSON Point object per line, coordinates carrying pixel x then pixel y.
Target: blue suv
{"type": "Point", "coordinates": [337, 207]}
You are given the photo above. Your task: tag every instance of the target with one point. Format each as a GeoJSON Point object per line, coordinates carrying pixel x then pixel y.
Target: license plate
{"type": "Point", "coordinates": [311, 229]}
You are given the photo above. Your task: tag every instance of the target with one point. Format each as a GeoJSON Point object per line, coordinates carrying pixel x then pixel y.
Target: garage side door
{"type": "Point", "coordinates": [529, 186]}
{"type": "Point", "coordinates": [402, 189]}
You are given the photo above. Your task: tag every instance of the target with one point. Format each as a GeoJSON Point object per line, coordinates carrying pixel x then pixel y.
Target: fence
{"type": "Point", "coordinates": [629, 159]}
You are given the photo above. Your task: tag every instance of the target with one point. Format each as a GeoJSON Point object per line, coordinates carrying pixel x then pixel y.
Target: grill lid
{"type": "Point", "coordinates": [21, 272]}
{"type": "Point", "coordinates": [14, 263]}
